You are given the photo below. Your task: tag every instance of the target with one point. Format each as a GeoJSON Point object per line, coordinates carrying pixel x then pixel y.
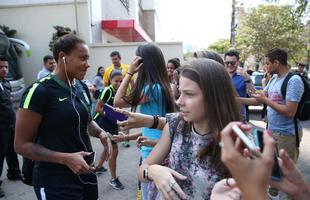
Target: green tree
{"type": "Point", "coordinates": [220, 46]}
{"type": "Point", "coordinates": [270, 26]}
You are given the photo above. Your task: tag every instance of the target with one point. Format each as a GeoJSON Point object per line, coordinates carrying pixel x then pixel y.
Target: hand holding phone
{"type": "Point", "coordinates": [259, 141]}
{"type": "Point", "coordinates": [90, 159]}
{"type": "Point", "coordinates": [248, 143]}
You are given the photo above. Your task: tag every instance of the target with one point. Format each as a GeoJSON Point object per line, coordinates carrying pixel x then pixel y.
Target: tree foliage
{"type": "Point", "coordinates": [271, 26]}
{"type": "Point", "coordinates": [220, 46]}
{"type": "Point", "coordinates": [60, 31]}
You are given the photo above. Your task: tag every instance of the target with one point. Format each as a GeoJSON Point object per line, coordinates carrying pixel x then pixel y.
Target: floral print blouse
{"type": "Point", "coordinates": [183, 158]}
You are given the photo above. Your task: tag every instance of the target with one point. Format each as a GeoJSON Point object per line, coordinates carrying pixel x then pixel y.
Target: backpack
{"type": "Point", "coordinates": [303, 109]}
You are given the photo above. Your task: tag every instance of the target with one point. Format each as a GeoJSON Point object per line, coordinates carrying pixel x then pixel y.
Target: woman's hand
{"type": "Point", "coordinates": [226, 189]}
{"type": "Point", "coordinates": [119, 138]}
{"type": "Point", "coordinates": [292, 182]}
{"type": "Point", "coordinates": [107, 145]}
{"type": "Point", "coordinates": [134, 120]}
{"type": "Point", "coordinates": [77, 164]}
{"type": "Point", "coordinates": [145, 141]}
{"type": "Point", "coordinates": [258, 170]}
{"type": "Point", "coordinates": [164, 179]}
{"type": "Point", "coordinates": [135, 66]}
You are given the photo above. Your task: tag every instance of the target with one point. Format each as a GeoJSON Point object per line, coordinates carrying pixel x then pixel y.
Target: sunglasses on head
{"type": "Point", "coordinates": [230, 62]}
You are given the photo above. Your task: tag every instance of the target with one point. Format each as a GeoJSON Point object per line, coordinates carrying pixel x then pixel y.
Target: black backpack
{"type": "Point", "coordinates": [303, 110]}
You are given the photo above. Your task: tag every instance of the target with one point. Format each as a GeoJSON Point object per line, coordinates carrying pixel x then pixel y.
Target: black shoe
{"type": "Point", "coordinates": [15, 176]}
{"type": "Point", "coordinates": [100, 170]}
{"type": "Point", "coordinates": [1, 193]}
{"type": "Point", "coordinates": [116, 184]}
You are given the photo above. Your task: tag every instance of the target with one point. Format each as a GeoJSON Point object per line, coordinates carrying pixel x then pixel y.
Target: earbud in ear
{"type": "Point", "coordinates": [64, 59]}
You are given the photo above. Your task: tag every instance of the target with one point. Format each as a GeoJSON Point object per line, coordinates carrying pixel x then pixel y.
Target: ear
{"type": "Point", "coordinates": [61, 56]}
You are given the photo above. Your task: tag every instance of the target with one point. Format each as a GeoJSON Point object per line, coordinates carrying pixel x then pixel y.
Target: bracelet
{"type": "Point", "coordinates": [131, 74]}
{"type": "Point", "coordinates": [247, 81]}
{"type": "Point", "coordinates": [155, 121]}
{"type": "Point", "coordinates": [146, 174]}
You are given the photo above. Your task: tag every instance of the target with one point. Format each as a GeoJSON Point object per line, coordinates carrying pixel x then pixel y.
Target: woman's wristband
{"type": "Point", "coordinates": [155, 121]}
{"type": "Point", "coordinates": [131, 74]}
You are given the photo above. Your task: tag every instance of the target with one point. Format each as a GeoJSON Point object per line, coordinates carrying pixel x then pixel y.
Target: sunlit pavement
{"type": "Point", "coordinates": [127, 169]}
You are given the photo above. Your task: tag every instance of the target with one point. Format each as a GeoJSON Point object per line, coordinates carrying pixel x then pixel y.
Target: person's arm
{"type": "Point", "coordinates": [124, 137]}
{"type": "Point", "coordinates": [122, 90]}
{"type": "Point", "coordinates": [105, 138]}
{"type": "Point", "coordinates": [99, 106]}
{"type": "Point", "coordinates": [26, 130]}
{"type": "Point", "coordinates": [258, 170]}
{"type": "Point", "coordinates": [292, 183]}
{"type": "Point", "coordinates": [163, 177]}
{"type": "Point", "coordinates": [247, 101]}
{"type": "Point", "coordinates": [138, 120]}
{"type": "Point", "coordinates": [289, 109]}
{"type": "Point", "coordinates": [295, 89]}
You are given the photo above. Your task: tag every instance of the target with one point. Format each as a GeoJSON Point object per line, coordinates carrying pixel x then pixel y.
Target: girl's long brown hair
{"type": "Point", "coordinates": [219, 101]}
{"type": "Point", "coordinates": [153, 71]}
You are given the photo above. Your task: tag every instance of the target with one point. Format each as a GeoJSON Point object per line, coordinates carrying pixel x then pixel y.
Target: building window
{"type": "Point", "coordinates": [126, 4]}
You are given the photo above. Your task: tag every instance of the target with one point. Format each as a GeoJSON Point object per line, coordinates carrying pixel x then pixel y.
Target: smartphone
{"type": "Point", "coordinates": [113, 115]}
{"type": "Point", "coordinates": [259, 141]}
{"type": "Point", "coordinates": [90, 159]}
{"type": "Point", "coordinates": [140, 61]}
{"type": "Point", "coordinates": [248, 143]}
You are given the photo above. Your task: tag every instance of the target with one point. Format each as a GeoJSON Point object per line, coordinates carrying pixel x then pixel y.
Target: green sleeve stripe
{"type": "Point", "coordinates": [103, 93]}
{"type": "Point", "coordinates": [29, 95]}
{"type": "Point", "coordinates": [45, 78]}
{"type": "Point", "coordinates": [97, 114]}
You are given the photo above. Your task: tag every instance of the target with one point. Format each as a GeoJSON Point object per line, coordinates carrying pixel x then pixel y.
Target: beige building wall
{"type": "Point", "coordinates": [34, 24]}
{"type": "Point", "coordinates": [100, 53]}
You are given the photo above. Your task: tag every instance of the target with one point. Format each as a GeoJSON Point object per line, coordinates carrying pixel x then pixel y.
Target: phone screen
{"type": "Point", "coordinates": [113, 115]}
{"type": "Point", "coordinates": [90, 159]}
{"type": "Point", "coordinates": [259, 141]}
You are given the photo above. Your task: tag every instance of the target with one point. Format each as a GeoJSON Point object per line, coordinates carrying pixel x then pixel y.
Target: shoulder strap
{"type": "Point", "coordinates": [284, 84]}
{"type": "Point", "coordinates": [283, 92]}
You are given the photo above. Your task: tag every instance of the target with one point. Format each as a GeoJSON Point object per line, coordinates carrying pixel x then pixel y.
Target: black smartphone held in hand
{"type": "Point", "coordinates": [259, 141]}
{"type": "Point", "coordinates": [90, 159]}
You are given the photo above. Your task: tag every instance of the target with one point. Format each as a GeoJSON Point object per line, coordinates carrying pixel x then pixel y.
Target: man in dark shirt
{"type": "Point", "coordinates": [7, 126]}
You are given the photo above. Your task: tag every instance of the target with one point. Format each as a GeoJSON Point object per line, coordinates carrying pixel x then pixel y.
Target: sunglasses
{"type": "Point", "coordinates": [230, 62]}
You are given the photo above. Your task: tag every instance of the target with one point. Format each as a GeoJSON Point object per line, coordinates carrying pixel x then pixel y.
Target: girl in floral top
{"type": "Point", "coordinates": [190, 138]}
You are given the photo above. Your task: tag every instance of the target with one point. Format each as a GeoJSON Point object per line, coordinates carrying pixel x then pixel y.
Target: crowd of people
{"type": "Point", "coordinates": [186, 111]}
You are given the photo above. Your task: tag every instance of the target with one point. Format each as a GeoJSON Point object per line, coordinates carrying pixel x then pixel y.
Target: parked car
{"type": "Point", "coordinates": [257, 78]}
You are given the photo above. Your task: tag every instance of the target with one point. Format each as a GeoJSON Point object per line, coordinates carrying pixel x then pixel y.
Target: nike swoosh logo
{"type": "Point", "coordinates": [62, 99]}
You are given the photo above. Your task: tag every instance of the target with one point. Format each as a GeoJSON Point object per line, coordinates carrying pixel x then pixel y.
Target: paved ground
{"type": "Point", "coordinates": [127, 170]}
